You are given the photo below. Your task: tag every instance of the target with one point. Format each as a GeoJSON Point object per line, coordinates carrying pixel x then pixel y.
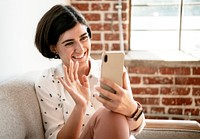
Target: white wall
{"type": "Point", "coordinates": [18, 21]}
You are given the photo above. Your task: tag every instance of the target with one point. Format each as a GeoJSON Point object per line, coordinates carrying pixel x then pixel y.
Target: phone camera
{"type": "Point", "coordinates": [105, 58]}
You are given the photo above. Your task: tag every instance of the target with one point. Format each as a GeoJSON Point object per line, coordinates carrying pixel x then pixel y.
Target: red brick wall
{"type": "Point", "coordinates": [102, 15]}
{"type": "Point", "coordinates": [167, 90]}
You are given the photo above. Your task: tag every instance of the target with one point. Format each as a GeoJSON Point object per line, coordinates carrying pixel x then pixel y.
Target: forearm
{"type": "Point", "coordinates": [72, 127]}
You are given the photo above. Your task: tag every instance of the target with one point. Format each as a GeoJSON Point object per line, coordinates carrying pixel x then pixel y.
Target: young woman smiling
{"type": "Point", "coordinates": [68, 93]}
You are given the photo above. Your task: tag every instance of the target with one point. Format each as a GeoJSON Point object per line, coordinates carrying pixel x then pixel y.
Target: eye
{"type": "Point", "coordinates": [84, 38]}
{"type": "Point", "coordinates": [68, 44]}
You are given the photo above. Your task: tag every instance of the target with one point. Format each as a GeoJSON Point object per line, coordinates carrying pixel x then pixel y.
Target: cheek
{"type": "Point", "coordinates": [65, 54]}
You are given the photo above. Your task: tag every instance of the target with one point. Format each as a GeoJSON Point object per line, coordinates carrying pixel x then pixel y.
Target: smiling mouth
{"type": "Point", "coordinates": [79, 57]}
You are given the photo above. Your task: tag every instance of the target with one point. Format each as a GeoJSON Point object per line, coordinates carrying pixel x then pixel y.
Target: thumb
{"type": "Point", "coordinates": [126, 82]}
{"type": "Point", "coordinates": [85, 81]}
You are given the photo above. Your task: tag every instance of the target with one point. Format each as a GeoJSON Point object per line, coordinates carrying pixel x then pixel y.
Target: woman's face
{"type": "Point", "coordinates": [74, 45]}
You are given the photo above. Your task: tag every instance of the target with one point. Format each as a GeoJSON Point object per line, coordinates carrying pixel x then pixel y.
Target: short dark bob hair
{"type": "Point", "coordinates": [54, 23]}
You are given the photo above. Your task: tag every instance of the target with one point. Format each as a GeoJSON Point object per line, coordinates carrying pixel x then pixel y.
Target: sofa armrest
{"type": "Point", "coordinates": [20, 116]}
{"type": "Point", "coordinates": [170, 129]}
{"type": "Point", "coordinates": [173, 124]}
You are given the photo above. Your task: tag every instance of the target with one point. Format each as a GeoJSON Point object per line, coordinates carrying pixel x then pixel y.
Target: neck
{"type": "Point", "coordinates": [84, 70]}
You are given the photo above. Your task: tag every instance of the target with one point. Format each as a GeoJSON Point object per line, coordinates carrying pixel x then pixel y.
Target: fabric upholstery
{"type": "Point", "coordinates": [19, 110]}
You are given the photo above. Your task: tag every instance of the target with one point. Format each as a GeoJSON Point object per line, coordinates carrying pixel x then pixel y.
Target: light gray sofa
{"type": "Point", "coordinates": [20, 116]}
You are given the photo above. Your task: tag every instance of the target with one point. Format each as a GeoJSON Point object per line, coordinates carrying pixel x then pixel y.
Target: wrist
{"type": "Point", "coordinates": [81, 109]}
{"type": "Point", "coordinates": [138, 112]}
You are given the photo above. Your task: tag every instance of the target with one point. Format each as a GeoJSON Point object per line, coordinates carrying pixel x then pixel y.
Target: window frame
{"type": "Point", "coordinates": [180, 17]}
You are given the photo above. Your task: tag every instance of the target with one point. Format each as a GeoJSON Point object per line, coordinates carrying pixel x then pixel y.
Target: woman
{"type": "Point", "coordinates": [67, 94]}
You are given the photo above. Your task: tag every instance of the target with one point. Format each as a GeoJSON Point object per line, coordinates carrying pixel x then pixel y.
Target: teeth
{"type": "Point", "coordinates": [78, 56]}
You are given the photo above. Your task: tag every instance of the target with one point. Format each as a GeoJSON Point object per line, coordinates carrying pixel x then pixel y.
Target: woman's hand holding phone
{"type": "Point", "coordinates": [122, 102]}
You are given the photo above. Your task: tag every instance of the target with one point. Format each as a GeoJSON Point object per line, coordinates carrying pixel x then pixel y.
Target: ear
{"type": "Point", "coordinates": [53, 49]}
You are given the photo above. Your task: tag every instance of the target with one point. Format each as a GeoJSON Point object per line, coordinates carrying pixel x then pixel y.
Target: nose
{"type": "Point", "coordinates": [79, 47]}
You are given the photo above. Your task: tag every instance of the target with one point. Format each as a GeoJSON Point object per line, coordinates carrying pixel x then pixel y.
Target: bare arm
{"type": "Point", "coordinates": [72, 129]}
{"type": "Point", "coordinates": [80, 94]}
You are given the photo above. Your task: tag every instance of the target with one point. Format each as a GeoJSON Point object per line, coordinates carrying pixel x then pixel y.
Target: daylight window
{"type": "Point", "coordinates": [165, 25]}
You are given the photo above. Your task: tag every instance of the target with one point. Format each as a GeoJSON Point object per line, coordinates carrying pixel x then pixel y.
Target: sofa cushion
{"type": "Point", "coordinates": [20, 116]}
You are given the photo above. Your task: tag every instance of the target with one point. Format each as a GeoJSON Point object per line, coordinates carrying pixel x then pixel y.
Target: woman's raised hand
{"type": "Point", "coordinates": [80, 92]}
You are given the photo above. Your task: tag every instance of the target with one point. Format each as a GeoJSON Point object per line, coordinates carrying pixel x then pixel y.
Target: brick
{"type": "Point", "coordinates": [177, 111]}
{"type": "Point", "coordinates": [100, 7]}
{"type": "Point", "coordinates": [114, 27]}
{"type": "Point", "coordinates": [196, 70]}
{"type": "Point", "coordinates": [158, 80]}
{"type": "Point", "coordinates": [195, 112]}
{"type": "Point", "coordinates": [177, 101]}
{"type": "Point", "coordinates": [96, 36]}
{"type": "Point", "coordinates": [115, 47]}
{"type": "Point", "coordinates": [111, 27]}
{"type": "Point", "coordinates": [142, 70]}
{"type": "Point", "coordinates": [111, 17]}
{"type": "Point", "coordinates": [197, 102]}
{"type": "Point", "coordinates": [135, 80]}
{"type": "Point", "coordinates": [124, 6]}
{"type": "Point", "coordinates": [175, 71]}
{"type": "Point", "coordinates": [145, 91]}
{"type": "Point", "coordinates": [96, 27]}
{"type": "Point", "coordinates": [114, 17]}
{"type": "Point", "coordinates": [196, 91]}
{"type": "Point", "coordinates": [95, 47]}
{"type": "Point", "coordinates": [187, 80]}
{"type": "Point", "coordinates": [174, 91]}
{"type": "Point", "coordinates": [81, 6]}
{"type": "Point", "coordinates": [92, 17]}
{"type": "Point", "coordinates": [158, 110]}
{"type": "Point", "coordinates": [111, 36]}
{"type": "Point", "coordinates": [124, 17]}
{"type": "Point", "coordinates": [148, 101]}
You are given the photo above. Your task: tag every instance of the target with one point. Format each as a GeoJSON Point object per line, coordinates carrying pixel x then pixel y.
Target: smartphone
{"type": "Point", "coordinates": [112, 68]}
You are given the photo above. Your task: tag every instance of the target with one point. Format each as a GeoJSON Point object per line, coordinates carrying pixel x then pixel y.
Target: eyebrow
{"type": "Point", "coordinates": [73, 39]}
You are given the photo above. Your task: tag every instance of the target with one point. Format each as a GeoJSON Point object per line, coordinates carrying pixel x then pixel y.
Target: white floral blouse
{"type": "Point", "coordinates": [56, 104]}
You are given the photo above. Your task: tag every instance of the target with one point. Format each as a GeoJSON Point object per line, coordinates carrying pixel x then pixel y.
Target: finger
{"type": "Point", "coordinates": [76, 71]}
{"type": "Point", "coordinates": [107, 103]}
{"type": "Point", "coordinates": [85, 81]}
{"type": "Point", "coordinates": [106, 93]}
{"type": "Point", "coordinates": [113, 85]}
{"type": "Point", "coordinates": [66, 86]}
{"type": "Point", "coordinates": [72, 93]}
{"type": "Point", "coordinates": [66, 75]}
{"type": "Point", "coordinates": [125, 80]}
{"type": "Point", "coordinates": [71, 71]}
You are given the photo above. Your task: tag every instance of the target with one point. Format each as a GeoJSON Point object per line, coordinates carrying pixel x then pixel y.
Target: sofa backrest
{"type": "Point", "coordinates": [20, 116]}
